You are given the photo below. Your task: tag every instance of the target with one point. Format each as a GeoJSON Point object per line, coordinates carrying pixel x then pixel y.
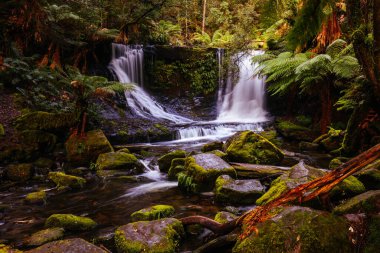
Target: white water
{"type": "Point", "coordinates": [245, 101]}
{"type": "Point", "coordinates": [127, 66]}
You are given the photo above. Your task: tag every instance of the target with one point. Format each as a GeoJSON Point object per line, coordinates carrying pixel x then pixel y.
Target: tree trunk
{"type": "Point", "coordinates": [204, 16]}
{"type": "Point", "coordinates": [325, 108]}
{"type": "Point", "coordinates": [376, 36]}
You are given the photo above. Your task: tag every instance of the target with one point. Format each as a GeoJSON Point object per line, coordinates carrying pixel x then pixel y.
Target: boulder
{"type": "Point", "coordinates": [337, 161]}
{"type": "Point", "coordinates": [370, 176]}
{"type": "Point", "coordinates": [248, 170]}
{"type": "Point", "coordinates": [293, 131]}
{"type": "Point", "coordinates": [44, 163]}
{"type": "Point", "coordinates": [153, 213]}
{"type": "Point", "coordinates": [308, 146]}
{"type": "Point", "coordinates": [46, 121]}
{"type": "Point", "coordinates": [75, 245]}
{"type": "Point", "coordinates": [2, 131]}
{"type": "Point", "coordinates": [70, 222]}
{"type": "Point", "coordinates": [271, 135]}
{"type": "Point", "coordinates": [367, 202]}
{"type": "Point", "coordinates": [149, 236]}
{"type": "Point", "coordinates": [165, 161]}
{"type": "Point", "coordinates": [372, 244]}
{"type": "Point", "coordinates": [177, 166]}
{"type": "Point", "coordinates": [229, 190]}
{"type": "Point", "coordinates": [44, 236]}
{"type": "Point", "coordinates": [224, 217]}
{"type": "Point", "coordinates": [36, 197]}
{"type": "Point", "coordinates": [38, 141]}
{"type": "Point", "coordinates": [82, 151]}
{"type": "Point", "coordinates": [62, 180]}
{"type": "Point", "coordinates": [7, 249]}
{"type": "Point", "coordinates": [201, 172]}
{"type": "Point", "coordinates": [298, 229]}
{"type": "Point", "coordinates": [216, 145]}
{"type": "Point", "coordinates": [219, 153]}
{"type": "Point", "coordinates": [248, 147]}
{"type": "Point", "coordinates": [119, 161]}
{"type": "Point", "coordinates": [20, 171]}
{"type": "Point", "coordinates": [349, 187]}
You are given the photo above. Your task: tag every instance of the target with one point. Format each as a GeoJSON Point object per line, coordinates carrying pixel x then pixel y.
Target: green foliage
{"type": "Point", "coordinates": [165, 32]}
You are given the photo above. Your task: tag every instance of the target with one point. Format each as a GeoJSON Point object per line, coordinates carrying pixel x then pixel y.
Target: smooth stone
{"type": "Point", "coordinates": [75, 245]}
{"type": "Point", "coordinates": [44, 236]}
{"type": "Point", "coordinates": [70, 222]}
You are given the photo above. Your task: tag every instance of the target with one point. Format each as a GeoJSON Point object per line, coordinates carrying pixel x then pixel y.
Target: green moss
{"type": "Point", "coordinates": [165, 161]}
{"type": "Point", "coordinates": [45, 236]}
{"type": "Point", "coordinates": [37, 140]}
{"type": "Point", "coordinates": [119, 161]}
{"type": "Point", "coordinates": [153, 213]}
{"type": "Point", "coordinates": [19, 172]}
{"type": "Point", "coordinates": [278, 187]}
{"type": "Point", "coordinates": [186, 184]}
{"type": "Point", "coordinates": [220, 154]}
{"type": "Point", "coordinates": [365, 202]}
{"type": "Point", "coordinates": [62, 180]}
{"type": "Point", "coordinates": [372, 244]}
{"type": "Point", "coordinates": [122, 134]}
{"type": "Point", "coordinates": [304, 120]}
{"type": "Point", "coordinates": [177, 166]}
{"type": "Point", "coordinates": [46, 121]}
{"type": "Point", "coordinates": [7, 249]}
{"type": "Point", "coordinates": [36, 197]}
{"type": "Point", "coordinates": [2, 131]}
{"type": "Point", "coordinates": [124, 150]}
{"type": "Point", "coordinates": [224, 217]}
{"type": "Point", "coordinates": [216, 145]}
{"type": "Point", "coordinates": [44, 163]}
{"type": "Point", "coordinates": [70, 222]}
{"type": "Point", "coordinates": [293, 131]}
{"type": "Point", "coordinates": [349, 187]}
{"type": "Point", "coordinates": [162, 128]}
{"type": "Point", "coordinates": [248, 147]}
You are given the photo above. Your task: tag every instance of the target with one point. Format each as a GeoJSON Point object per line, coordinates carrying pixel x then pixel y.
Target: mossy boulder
{"type": "Point", "coordinates": [153, 213]}
{"type": "Point", "coordinates": [82, 151]}
{"type": "Point", "coordinates": [36, 197]}
{"type": "Point", "coordinates": [216, 145]}
{"type": "Point", "coordinates": [161, 236]}
{"type": "Point", "coordinates": [298, 229]}
{"type": "Point", "coordinates": [293, 131]}
{"type": "Point", "coordinates": [44, 236]}
{"type": "Point", "coordinates": [349, 187]}
{"type": "Point", "coordinates": [70, 222]}
{"type": "Point", "coordinates": [271, 135]}
{"type": "Point", "coordinates": [7, 249]}
{"type": "Point", "coordinates": [248, 147]}
{"type": "Point", "coordinates": [229, 190]}
{"type": "Point", "coordinates": [20, 171]}
{"type": "Point", "coordinates": [367, 202]}
{"type": "Point", "coordinates": [336, 162]}
{"type": "Point", "coordinates": [333, 140]}
{"type": "Point", "coordinates": [119, 161]}
{"type": "Point", "coordinates": [372, 244]}
{"type": "Point", "coordinates": [308, 146]}
{"type": "Point", "coordinates": [298, 174]}
{"type": "Point", "coordinates": [46, 121]}
{"type": "Point", "coordinates": [224, 217]}
{"type": "Point", "coordinates": [219, 153]}
{"type": "Point", "coordinates": [247, 170]}
{"type": "Point", "coordinates": [63, 180]}
{"type": "Point", "coordinates": [177, 166]}
{"type": "Point", "coordinates": [38, 141]}
{"type": "Point", "coordinates": [74, 245]}
{"type": "Point", "coordinates": [370, 176]}
{"type": "Point", "coordinates": [124, 150]}
{"type": "Point", "coordinates": [44, 163]}
{"type": "Point", "coordinates": [201, 171]}
{"type": "Point", "coordinates": [165, 161]}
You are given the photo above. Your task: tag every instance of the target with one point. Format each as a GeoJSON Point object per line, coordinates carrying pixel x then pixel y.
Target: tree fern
{"type": "Point", "coordinates": [346, 67]}
{"type": "Point", "coordinates": [335, 48]}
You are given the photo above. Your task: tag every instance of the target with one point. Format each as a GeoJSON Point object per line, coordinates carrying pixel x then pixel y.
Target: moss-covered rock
{"type": "Point", "coordinates": [216, 145]}
{"type": "Point", "coordinates": [229, 190]}
{"type": "Point", "coordinates": [293, 131]}
{"type": "Point", "coordinates": [165, 161]}
{"type": "Point", "coordinates": [62, 180]}
{"type": "Point", "coordinates": [370, 176]}
{"type": "Point", "coordinates": [82, 151]}
{"type": "Point", "coordinates": [124, 150]}
{"type": "Point", "coordinates": [349, 187]}
{"type": "Point", "coordinates": [36, 140]}
{"type": "Point", "coordinates": [7, 249]}
{"type": "Point", "coordinates": [2, 131]}
{"type": "Point", "coordinates": [247, 170]}
{"type": "Point", "coordinates": [298, 229]}
{"type": "Point", "coordinates": [367, 202]}
{"type": "Point", "coordinates": [20, 172]}
{"type": "Point", "coordinates": [308, 146]}
{"type": "Point", "coordinates": [372, 244]}
{"type": "Point", "coordinates": [331, 140]}
{"type": "Point", "coordinates": [224, 217]}
{"type": "Point", "coordinates": [36, 197]}
{"type": "Point", "coordinates": [46, 121]}
{"type": "Point", "coordinates": [70, 222]}
{"type": "Point", "coordinates": [44, 236]}
{"type": "Point", "coordinates": [219, 153]}
{"type": "Point", "coordinates": [159, 236]}
{"type": "Point", "coordinates": [271, 135]}
{"type": "Point", "coordinates": [201, 172]}
{"type": "Point", "coordinates": [44, 163]}
{"type": "Point", "coordinates": [336, 162]}
{"type": "Point", "coordinates": [153, 213]}
{"type": "Point", "coordinates": [248, 147]}
{"type": "Point", "coordinates": [119, 161]}
{"type": "Point", "coordinates": [177, 166]}
{"type": "Point", "coordinates": [74, 245]}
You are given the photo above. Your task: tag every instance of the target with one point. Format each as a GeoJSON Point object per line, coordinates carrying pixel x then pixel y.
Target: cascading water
{"type": "Point", "coordinates": [243, 102]}
{"type": "Point", "coordinates": [127, 66]}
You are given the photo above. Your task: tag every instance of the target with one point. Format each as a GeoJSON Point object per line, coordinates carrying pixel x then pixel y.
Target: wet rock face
{"type": "Point", "coordinates": [201, 172]}
{"type": "Point", "coordinates": [248, 147]}
{"type": "Point", "coordinates": [20, 172]}
{"type": "Point", "coordinates": [149, 236]}
{"type": "Point", "coordinates": [299, 229]}
{"type": "Point", "coordinates": [368, 202]}
{"type": "Point", "coordinates": [70, 222]}
{"type": "Point", "coordinates": [153, 213]}
{"type": "Point", "coordinates": [62, 180]}
{"type": "Point", "coordinates": [216, 145]}
{"type": "Point", "coordinates": [75, 245]}
{"type": "Point", "coordinates": [164, 162]}
{"type": "Point", "coordinates": [119, 161]}
{"type": "Point", "coordinates": [44, 236]}
{"type": "Point", "coordinates": [229, 190]}
{"type": "Point", "coordinates": [293, 131]}
{"type": "Point", "coordinates": [82, 151]}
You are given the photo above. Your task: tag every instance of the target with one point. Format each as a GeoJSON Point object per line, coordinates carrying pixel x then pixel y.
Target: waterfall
{"type": "Point", "coordinates": [243, 102]}
{"type": "Point", "coordinates": [127, 67]}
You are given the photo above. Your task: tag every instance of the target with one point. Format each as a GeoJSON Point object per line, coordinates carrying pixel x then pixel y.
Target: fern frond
{"type": "Point", "coordinates": [346, 67]}
{"type": "Point", "coordinates": [336, 47]}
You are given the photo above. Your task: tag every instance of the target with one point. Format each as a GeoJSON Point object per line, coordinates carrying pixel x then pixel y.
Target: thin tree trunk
{"type": "Point", "coordinates": [204, 16]}
{"type": "Point", "coordinates": [325, 108]}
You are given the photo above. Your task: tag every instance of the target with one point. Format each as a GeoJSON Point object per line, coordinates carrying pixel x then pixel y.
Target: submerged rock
{"type": "Point", "coordinates": [224, 217]}
{"type": "Point", "coordinates": [292, 131]}
{"type": "Point", "coordinates": [177, 166]}
{"type": "Point", "coordinates": [201, 172]}
{"type": "Point", "coordinates": [248, 147]}
{"type": "Point", "coordinates": [229, 190]}
{"type": "Point", "coordinates": [36, 197]}
{"type": "Point", "coordinates": [62, 180]}
{"type": "Point", "coordinates": [216, 145]}
{"type": "Point", "coordinates": [119, 161]}
{"type": "Point", "coordinates": [149, 236]}
{"type": "Point", "coordinates": [165, 161]}
{"type": "Point", "coordinates": [368, 202]}
{"type": "Point", "coordinates": [20, 171]}
{"type": "Point", "coordinates": [153, 213]}
{"type": "Point", "coordinates": [82, 151]}
{"type": "Point", "coordinates": [75, 245]}
{"type": "Point", "coordinates": [298, 229]}
{"type": "Point", "coordinates": [70, 222]}
{"type": "Point", "coordinates": [44, 236]}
